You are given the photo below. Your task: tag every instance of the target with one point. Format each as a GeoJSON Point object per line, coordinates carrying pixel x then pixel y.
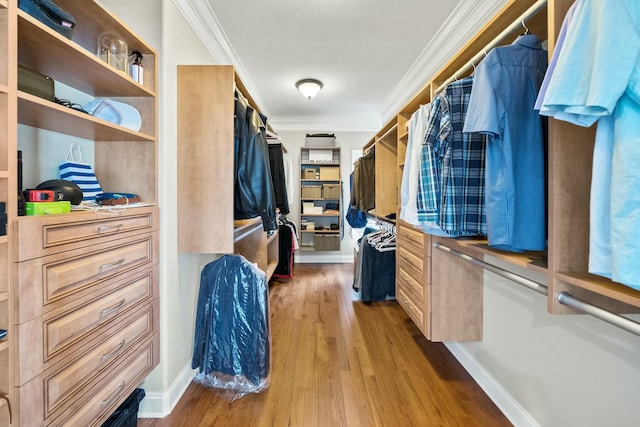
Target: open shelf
{"type": "Point", "coordinates": [602, 286]}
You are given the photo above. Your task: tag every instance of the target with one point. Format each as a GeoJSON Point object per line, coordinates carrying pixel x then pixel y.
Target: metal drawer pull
{"type": "Point", "coordinates": [106, 228]}
{"type": "Point", "coordinates": [113, 353]}
{"type": "Point", "coordinates": [112, 309]}
{"type": "Point", "coordinates": [112, 265]}
{"type": "Point", "coordinates": [113, 396]}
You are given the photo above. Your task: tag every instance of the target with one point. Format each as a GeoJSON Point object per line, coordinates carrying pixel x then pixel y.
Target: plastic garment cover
{"type": "Point", "coordinates": [232, 345]}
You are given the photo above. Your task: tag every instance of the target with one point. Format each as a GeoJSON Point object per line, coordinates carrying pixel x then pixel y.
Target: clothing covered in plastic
{"type": "Point", "coordinates": [253, 188]}
{"type": "Point", "coordinates": [232, 344]}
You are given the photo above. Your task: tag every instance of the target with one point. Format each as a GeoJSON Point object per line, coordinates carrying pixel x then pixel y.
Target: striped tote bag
{"type": "Point", "coordinates": [74, 169]}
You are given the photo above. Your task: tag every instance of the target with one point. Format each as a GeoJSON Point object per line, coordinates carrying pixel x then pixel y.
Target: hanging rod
{"type": "Point", "coordinates": [535, 286]}
{"type": "Point", "coordinates": [387, 133]}
{"type": "Point", "coordinates": [534, 9]}
{"type": "Point", "coordinates": [614, 319]}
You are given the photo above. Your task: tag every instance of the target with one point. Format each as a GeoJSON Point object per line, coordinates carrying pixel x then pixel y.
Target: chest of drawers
{"type": "Point", "coordinates": [86, 316]}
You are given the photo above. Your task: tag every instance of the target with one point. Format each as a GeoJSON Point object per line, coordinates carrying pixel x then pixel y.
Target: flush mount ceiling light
{"type": "Point", "coordinates": [309, 87]}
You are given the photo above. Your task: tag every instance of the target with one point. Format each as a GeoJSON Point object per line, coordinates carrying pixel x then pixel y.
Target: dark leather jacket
{"type": "Point", "coordinates": [253, 191]}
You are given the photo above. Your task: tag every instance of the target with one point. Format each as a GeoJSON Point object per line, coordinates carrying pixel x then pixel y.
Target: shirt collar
{"type": "Point", "coordinates": [529, 40]}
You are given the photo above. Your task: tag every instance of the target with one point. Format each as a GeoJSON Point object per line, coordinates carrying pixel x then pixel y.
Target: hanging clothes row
{"type": "Point", "coordinates": [601, 40]}
{"type": "Point", "coordinates": [363, 196]}
{"type": "Point", "coordinates": [475, 157]}
{"type": "Point", "coordinates": [253, 188]}
{"type": "Point", "coordinates": [375, 274]}
{"type": "Point", "coordinates": [278, 176]}
{"type": "Point", "coordinates": [288, 244]}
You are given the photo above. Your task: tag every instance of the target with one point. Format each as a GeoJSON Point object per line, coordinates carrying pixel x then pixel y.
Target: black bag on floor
{"type": "Point", "coordinates": [50, 14]}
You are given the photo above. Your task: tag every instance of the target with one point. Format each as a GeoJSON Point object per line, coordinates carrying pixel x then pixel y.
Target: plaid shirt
{"type": "Point", "coordinates": [462, 207]}
{"type": "Point", "coordinates": [451, 184]}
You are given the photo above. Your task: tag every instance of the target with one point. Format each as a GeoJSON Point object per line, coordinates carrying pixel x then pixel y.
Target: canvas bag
{"type": "Point", "coordinates": [74, 169]}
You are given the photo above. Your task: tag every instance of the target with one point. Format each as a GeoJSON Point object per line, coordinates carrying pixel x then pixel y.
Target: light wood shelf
{"type": "Point", "coordinates": [3, 4]}
{"type": "Point", "coordinates": [4, 88]}
{"type": "Point", "coordinates": [4, 345]}
{"type": "Point", "coordinates": [44, 114]}
{"type": "Point", "coordinates": [601, 286]}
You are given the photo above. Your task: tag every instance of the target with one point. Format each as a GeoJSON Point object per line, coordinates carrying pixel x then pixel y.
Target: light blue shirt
{"type": "Point", "coordinates": [505, 88]}
{"type": "Point", "coordinates": [597, 78]}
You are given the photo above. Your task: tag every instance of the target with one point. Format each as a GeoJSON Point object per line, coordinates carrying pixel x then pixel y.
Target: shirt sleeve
{"type": "Point", "coordinates": [596, 63]}
{"type": "Point", "coordinates": [485, 102]}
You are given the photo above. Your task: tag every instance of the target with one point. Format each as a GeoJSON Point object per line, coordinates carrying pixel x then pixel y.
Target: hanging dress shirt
{"type": "Point", "coordinates": [506, 85]}
{"type": "Point", "coordinates": [603, 43]}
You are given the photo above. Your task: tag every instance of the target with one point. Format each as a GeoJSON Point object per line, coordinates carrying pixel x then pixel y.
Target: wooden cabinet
{"type": "Point", "coordinates": [78, 291]}
{"type": "Point", "coordinates": [444, 299]}
{"type": "Point", "coordinates": [320, 199]}
{"type": "Point", "coordinates": [206, 169]}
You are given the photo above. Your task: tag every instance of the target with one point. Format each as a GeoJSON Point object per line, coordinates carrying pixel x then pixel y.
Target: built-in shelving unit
{"type": "Point", "coordinates": [320, 188]}
{"type": "Point", "coordinates": [50, 316]}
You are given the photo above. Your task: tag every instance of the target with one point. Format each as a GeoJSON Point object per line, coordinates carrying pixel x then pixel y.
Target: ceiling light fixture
{"type": "Point", "coordinates": [309, 87]}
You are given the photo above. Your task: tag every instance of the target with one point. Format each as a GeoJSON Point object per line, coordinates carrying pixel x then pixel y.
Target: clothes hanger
{"type": "Point", "coordinates": [526, 30]}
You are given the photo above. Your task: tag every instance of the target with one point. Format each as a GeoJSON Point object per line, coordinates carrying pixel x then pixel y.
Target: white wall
{"type": "Point", "coordinates": [347, 141]}
{"type": "Point", "coordinates": [552, 370]}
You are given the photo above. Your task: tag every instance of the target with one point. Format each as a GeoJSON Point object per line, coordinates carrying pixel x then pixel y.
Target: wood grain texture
{"type": "Point", "coordinates": [338, 362]}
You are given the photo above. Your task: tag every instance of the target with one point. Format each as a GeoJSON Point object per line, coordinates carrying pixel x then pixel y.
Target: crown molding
{"type": "Point", "coordinates": [463, 23]}
{"type": "Point", "coordinates": [335, 123]}
{"type": "Point", "coordinates": [205, 24]}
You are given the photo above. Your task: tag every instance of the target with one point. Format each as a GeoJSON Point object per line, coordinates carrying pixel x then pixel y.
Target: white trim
{"type": "Point", "coordinates": [204, 22]}
{"type": "Point", "coordinates": [504, 400]}
{"type": "Point", "coordinates": [463, 23]}
{"type": "Point", "coordinates": [159, 405]}
{"type": "Point", "coordinates": [310, 258]}
{"type": "Point", "coordinates": [333, 124]}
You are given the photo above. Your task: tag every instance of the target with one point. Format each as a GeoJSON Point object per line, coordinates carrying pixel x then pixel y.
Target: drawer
{"type": "Point", "coordinates": [68, 276]}
{"type": "Point", "coordinates": [414, 311]}
{"type": "Point", "coordinates": [415, 239]}
{"type": "Point", "coordinates": [96, 401]}
{"type": "Point", "coordinates": [61, 385]}
{"type": "Point", "coordinates": [65, 329]}
{"type": "Point", "coordinates": [42, 236]}
{"type": "Point", "coordinates": [408, 282]}
{"type": "Point", "coordinates": [406, 258]}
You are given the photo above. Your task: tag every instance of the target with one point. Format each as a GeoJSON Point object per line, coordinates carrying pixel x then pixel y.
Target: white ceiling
{"type": "Point", "coordinates": [371, 55]}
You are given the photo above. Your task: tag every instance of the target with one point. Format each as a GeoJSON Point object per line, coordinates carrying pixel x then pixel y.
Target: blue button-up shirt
{"type": "Point", "coordinates": [504, 92]}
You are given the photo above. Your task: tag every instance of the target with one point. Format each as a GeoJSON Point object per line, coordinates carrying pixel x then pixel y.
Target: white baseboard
{"type": "Point", "coordinates": [159, 405]}
{"type": "Point", "coordinates": [509, 406]}
{"type": "Point", "coordinates": [323, 259]}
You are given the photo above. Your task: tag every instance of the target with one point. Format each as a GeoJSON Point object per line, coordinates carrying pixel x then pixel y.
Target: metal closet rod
{"type": "Point", "coordinates": [534, 9]}
{"type": "Point", "coordinates": [527, 283]}
{"type": "Point", "coordinates": [565, 298]}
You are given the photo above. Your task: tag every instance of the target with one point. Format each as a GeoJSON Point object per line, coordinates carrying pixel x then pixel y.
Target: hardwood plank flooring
{"type": "Point", "coordinates": [338, 362]}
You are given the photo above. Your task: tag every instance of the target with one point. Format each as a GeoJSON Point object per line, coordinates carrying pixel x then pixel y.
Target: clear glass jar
{"type": "Point", "coordinates": [113, 50]}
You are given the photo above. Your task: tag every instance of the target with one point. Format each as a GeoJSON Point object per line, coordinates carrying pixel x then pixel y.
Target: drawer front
{"type": "Point", "coordinates": [413, 310]}
{"type": "Point", "coordinates": [407, 258]}
{"type": "Point", "coordinates": [408, 282]}
{"type": "Point", "coordinates": [98, 400]}
{"type": "Point", "coordinates": [46, 235]}
{"type": "Point", "coordinates": [53, 235]}
{"type": "Point", "coordinates": [62, 331]}
{"type": "Point", "coordinates": [61, 385]}
{"type": "Point", "coordinates": [71, 275]}
{"type": "Point", "coordinates": [415, 239]}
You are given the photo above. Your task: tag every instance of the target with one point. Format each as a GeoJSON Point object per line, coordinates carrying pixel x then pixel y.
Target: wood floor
{"type": "Point", "coordinates": [338, 362]}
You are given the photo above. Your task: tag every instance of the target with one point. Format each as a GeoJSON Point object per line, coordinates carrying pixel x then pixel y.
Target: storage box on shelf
{"type": "Point", "coordinates": [80, 290]}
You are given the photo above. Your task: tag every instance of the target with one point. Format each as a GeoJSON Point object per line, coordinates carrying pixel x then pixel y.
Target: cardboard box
{"type": "Point", "coordinates": [330, 173]}
{"type": "Point", "coordinates": [310, 173]}
{"type": "Point", "coordinates": [331, 191]}
{"type": "Point", "coordinates": [47, 208]}
{"type": "Point", "coordinates": [327, 242]}
{"type": "Point", "coordinates": [311, 192]}
{"type": "Point", "coordinates": [308, 208]}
